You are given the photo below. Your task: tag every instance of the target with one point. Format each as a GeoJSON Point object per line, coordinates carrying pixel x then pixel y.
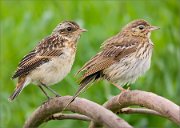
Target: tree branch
{"type": "Point", "coordinates": [60, 116]}
{"type": "Point", "coordinates": [92, 110]}
{"type": "Point", "coordinates": [147, 99]}
{"type": "Point", "coordinates": [139, 111]}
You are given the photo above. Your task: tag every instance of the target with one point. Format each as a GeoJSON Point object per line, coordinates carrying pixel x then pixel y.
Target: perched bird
{"type": "Point", "coordinates": [50, 61]}
{"type": "Point", "coordinates": [123, 57]}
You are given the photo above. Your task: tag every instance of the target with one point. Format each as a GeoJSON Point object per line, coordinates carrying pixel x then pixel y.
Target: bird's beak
{"type": "Point", "coordinates": [83, 30]}
{"type": "Point", "coordinates": [152, 28]}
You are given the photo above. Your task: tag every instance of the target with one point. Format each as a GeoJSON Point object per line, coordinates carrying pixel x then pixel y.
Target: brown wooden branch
{"type": "Point", "coordinates": [147, 99]}
{"type": "Point", "coordinates": [92, 110]}
{"type": "Point", "coordinates": [139, 111]}
{"type": "Point", "coordinates": [61, 116]}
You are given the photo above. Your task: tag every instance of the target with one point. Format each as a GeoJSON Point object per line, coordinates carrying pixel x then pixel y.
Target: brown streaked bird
{"type": "Point", "coordinates": [50, 61]}
{"type": "Point", "coordinates": [123, 57]}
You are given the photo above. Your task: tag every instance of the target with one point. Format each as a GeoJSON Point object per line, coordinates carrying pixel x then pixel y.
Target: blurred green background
{"type": "Point", "coordinates": [24, 23]}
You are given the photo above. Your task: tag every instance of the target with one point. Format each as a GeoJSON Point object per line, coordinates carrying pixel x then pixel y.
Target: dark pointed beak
{"type": "Point", "coordinates": [83, 30]}
{"type": "Point", "coordinates": [152, 28]}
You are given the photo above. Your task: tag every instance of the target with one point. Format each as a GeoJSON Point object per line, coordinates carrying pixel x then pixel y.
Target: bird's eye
{"type": "Point", "coordinates": [141, 27]}
{"type": "Point", "coordinates": [69, 29]}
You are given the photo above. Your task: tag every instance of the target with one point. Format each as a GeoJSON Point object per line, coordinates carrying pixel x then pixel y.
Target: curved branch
{"type": "Point", "coordinates": [139, 111]}
{"type": "Point", "coordinates": [60, 116]}
{"type": "Point", "coordinates": [94, 111]}
{"type": "Point", "coordinates": [147, 99]}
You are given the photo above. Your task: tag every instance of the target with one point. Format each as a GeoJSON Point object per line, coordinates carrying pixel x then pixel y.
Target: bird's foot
{"type": "Point", "coordinates": [57, 95]}
{"type": "Point", "coordinates": [122, 89]}
{"type": "Point", "coordinates": [122, 92]}
{"type": "Point", "coordinates": [125, 90]}
{"type": "Point", "coordinates": [48, 99]}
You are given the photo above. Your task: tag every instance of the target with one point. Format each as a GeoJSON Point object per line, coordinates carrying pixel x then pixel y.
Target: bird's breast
{"type": "Point", "coordinates": [55, 70]}
{"type": "Point", "coordinates": [129, 68]}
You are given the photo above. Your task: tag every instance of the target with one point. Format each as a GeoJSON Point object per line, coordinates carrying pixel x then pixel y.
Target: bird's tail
{"type": "Point", "coordinates": [22, 82]}
{"type": "Point", "coordinates": [83, 85]}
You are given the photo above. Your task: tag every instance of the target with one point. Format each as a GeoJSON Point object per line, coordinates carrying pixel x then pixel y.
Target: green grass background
{"type": "Point", "coordinates": [24, 23]}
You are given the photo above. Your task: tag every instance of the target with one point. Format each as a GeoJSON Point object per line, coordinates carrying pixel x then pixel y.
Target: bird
{"type": "Point", "coordinates": [122, 58]}
{"type": "Point", "coordinates": [50, 61]}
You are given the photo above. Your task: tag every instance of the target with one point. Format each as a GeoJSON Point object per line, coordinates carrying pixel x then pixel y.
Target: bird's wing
{"type": "Point", "coordinates": [48, 48]}
{"type": "Point", "coordinates": [109, 55]}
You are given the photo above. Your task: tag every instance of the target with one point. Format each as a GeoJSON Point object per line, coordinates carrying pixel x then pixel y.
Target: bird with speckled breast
{"type": "Point", "coordinates": [122, 59]}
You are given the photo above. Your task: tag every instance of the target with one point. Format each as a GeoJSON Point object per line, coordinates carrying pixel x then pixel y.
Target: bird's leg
{"type": "Point", "coordinates": [122, 90]}
{"type": "Point", "coordinates": [54, 92]}
{"type": "Point", "coordinates": [44, 91]}
{"type": "Point", "coordinates": [128, 88]}
{"type": "Point", "coordinates": [119, 87]}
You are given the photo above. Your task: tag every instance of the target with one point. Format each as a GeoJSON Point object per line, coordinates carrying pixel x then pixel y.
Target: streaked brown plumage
{"type": "Point", "coordinates": [123, 58]}
{"type": "Point", "coordinates": [51, 60]}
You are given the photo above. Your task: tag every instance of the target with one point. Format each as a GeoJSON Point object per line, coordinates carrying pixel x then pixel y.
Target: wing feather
{"type": "Point", "coordinates": [109, 55]}
{"type": "Point", "coordinates": [49, 47]}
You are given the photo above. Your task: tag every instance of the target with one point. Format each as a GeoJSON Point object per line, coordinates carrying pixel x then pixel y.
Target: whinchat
{"type": "Point", "coordinates": [51, 60]}
{"type": "Point", "coordinates": [123, 57]}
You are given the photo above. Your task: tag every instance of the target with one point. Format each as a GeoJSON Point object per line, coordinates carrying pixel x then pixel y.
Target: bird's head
{"type": "Point", "coordinates": [69, 30]}
{"type": "Point", "coordinates": [139, 28]}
